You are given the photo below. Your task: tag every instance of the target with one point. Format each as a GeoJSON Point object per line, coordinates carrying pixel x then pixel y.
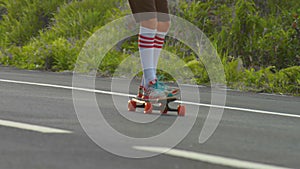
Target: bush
{"type": "Point", "coordinates": [24, 19]}
{"type": "Point", "coordinates": [54, 43]}
{"type": "Point", "coordinates": [258, 41]}
{"type": "Point", "coordinates": [272, 81]}
{"type": "Point", "coordinates": [261, 34]}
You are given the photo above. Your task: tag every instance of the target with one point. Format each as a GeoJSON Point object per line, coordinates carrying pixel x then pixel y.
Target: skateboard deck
{"type": "Point", "coordinates": [156, 104]}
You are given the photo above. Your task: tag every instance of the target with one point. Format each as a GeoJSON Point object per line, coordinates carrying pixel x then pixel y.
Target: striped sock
{"type": "Point", "coordinates": [146, 48]}
{"type": "Point", "coordinates": [158, 45]}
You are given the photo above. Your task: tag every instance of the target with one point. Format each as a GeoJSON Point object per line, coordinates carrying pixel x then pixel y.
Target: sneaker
{"type": "Point", "coordinates": [140, 92]}
{"type": "Point", "coordinates": [168, 90]}
{"type": "Point", "coordinates": [153, 92]}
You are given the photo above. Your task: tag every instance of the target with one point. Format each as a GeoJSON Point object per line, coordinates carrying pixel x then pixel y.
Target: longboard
{"type": "Point", "coordinates": [155, 104]}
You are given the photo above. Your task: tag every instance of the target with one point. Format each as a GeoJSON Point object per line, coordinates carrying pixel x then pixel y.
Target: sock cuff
{"type": "Point", "coordinates": [161, 34]}
{"type": "Point", "coordinates": [147, 32]}
{"type": "Point", "coordinates": [146, 37]}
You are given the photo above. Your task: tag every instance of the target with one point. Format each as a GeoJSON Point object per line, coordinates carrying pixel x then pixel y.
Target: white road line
{"type": "Point", "coordinates": [189, 85]}
{"type": "Point", "coordinates": [128, 95]}
{"type": "Point", "coordinates": [242, 109]}
{"type": "Point", "coordinates": [207, 158]}
{"type": "Point", "coordinates": [31, 127]}
{"type": "Point", "coordinates": [67, 87]}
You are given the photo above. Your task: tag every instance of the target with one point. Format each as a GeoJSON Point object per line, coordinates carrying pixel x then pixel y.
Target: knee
{"type": "Point", "coordinates": [151, 23]}
{"type": "Point", "coordinates": [163, 26]}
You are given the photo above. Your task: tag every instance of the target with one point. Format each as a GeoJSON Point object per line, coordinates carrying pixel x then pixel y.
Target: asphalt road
{"type": "Point", "coordinates": [255, 129]}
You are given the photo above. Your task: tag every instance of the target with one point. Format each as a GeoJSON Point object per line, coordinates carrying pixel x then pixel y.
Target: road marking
{"type": "Point", "coordinates": [190, 85]}
{"type": "Point", "coordinates": [242, 109]}
{"type": "Point", "coordinates": [274, 94]}
{"type": "Point", "coordinates": [128, 95]}
{"type": "Point", "coordinates": [67, 87]}
{"type": "Point", "coordinates": [32, 127]}
{"type": "Point", "coordinates": [207, 158]}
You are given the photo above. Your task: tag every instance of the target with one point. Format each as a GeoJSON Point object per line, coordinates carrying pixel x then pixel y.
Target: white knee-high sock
{"type": "Point", "coordinates": [146, 48]}
{"type": "Point", "coordinates": [158, 45]}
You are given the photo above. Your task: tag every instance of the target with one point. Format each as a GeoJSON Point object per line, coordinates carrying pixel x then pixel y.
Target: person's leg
{"type": "Point", "coordinates": [147, 55]}
{"type": "Point", "coordinates": [146, 49]}
{"type": "Point", "coordinates": [162, 30]}
{"type": "Point", "coordinates": [148, 22]}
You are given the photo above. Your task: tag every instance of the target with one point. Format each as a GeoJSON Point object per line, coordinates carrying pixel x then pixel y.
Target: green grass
{"type": "Point", "coordinates": [259, 44]}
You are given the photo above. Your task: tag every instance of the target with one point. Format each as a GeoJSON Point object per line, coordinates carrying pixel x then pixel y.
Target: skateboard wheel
{"type": "Point", "coordinates": [181, 110]}
{"type": "Point", "coordinates": [148, 108]}
{"type": "Point", "coordinates": [131, 105]}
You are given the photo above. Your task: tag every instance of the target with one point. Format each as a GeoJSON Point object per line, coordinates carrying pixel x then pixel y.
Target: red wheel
{"type": "Point", "coordinates": [148, 108]}
{"type": "Point", "coordinates": [131, 105]}
{"type": "Point", "coordinates": [181, 110]}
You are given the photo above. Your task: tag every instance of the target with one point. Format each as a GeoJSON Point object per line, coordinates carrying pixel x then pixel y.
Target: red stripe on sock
{"type": "Point", "coordinates": [159, 38]}
{"type": "Point", "coordinates": [145, 46]}
{"type": "Point", "coordinates": [157, 42]}
{"type": "Point", "coordinates": [145, 42]}
{"type": "Point", "coordinates": [159, 47]}
{"type": "Point", "coordinates": [145, 37]}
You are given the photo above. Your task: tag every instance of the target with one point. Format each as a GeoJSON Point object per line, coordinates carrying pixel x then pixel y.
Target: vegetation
{"type": "Point", "coordinates": [258, 40]}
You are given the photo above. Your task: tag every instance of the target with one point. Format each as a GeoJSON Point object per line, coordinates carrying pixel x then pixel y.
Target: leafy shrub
{"type": "Point", "coordinates": [110, 62]}
{"type": "Point", "coordinates": [199, 70]}
{"type": "Point", "coordinates": [24, 19]}
{"type": "Point", "coordinates": [272, 81]}
{"type": "Point", "coordinates": [78, 18]}
{"type": "Point", "coordinates": [261, 34]}
{"type": "Point", "coordinates": [54, 43]}
{"type": "Point", "coordinates": [258, 41]}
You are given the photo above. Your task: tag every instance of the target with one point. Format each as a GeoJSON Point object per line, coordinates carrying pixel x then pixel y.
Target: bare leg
{"type": "Point", "coordinates": [147, 31]}
{"type": "Point", "coordinates": [150, 24]}
{"type": "Point", "coordinates": [163, 26]}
